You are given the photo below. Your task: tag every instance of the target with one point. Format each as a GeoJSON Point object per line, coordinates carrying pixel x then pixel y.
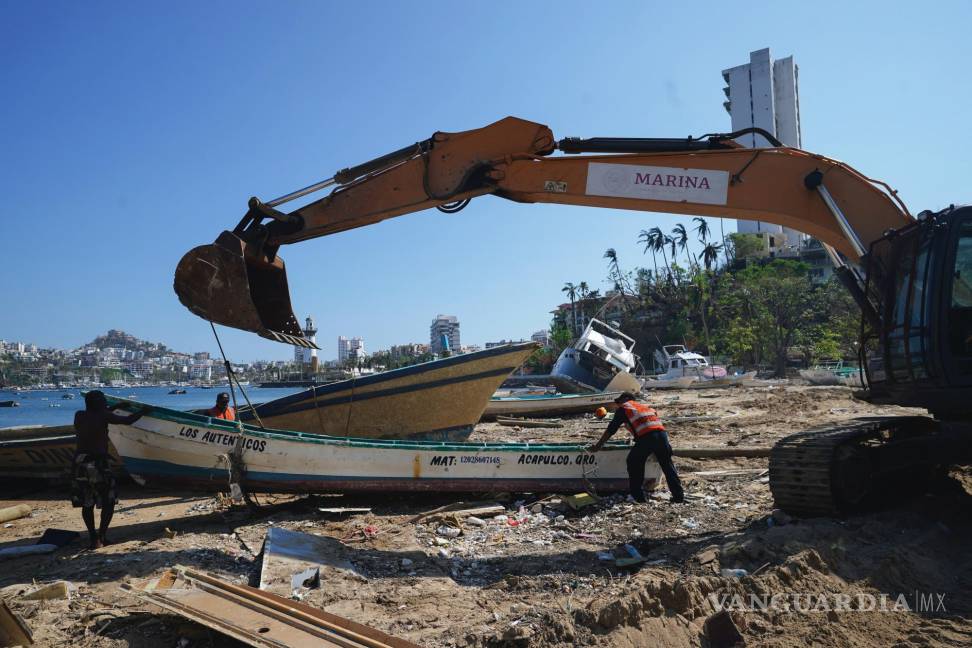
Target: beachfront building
{"type": "Point", "coordinates": [444, 334]}
{"type": "Point", "coordinates": [350, 349]}
{"type": "Point", "coordinates": [764, 94]}
{"type": "Point", "coordinates": [543, 337]}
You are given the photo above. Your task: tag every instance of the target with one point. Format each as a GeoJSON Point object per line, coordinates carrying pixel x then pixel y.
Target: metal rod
{"type": "Point", "coordinates": [301, 192]}
{"type": "Point", "coordinates": [832, 253]}
{"type": "Point", "coordinates": [845, 225]}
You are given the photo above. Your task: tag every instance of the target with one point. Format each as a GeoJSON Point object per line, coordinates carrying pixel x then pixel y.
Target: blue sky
{"type": "Point", "coordinates": [132, 132]}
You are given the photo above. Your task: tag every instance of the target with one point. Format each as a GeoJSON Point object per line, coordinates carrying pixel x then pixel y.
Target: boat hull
{"type": "Point", "coordinates": [39, 452]}
{"type": "Point", "coordinates": [439, 400]}
{"type": "Point", "coordinates": [169, 447]}
{"type": "Point", "coordinates": [549, 405]}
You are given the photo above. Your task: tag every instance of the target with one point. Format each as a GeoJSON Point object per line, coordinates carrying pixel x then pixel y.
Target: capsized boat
{"type": "Point", "coordinates": [190, 450]}
{"type": "Point", "coordinates": [438, 400]}
{"type": "Point", "coordinates": [548, 404]}
{"type": "Point", "coordinates": [602, 357]}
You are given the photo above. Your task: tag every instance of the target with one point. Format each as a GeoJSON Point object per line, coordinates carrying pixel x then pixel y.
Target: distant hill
{"type": "Point", "coordinates": [121, 339]}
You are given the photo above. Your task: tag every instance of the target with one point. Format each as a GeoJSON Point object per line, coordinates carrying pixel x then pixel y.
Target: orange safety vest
{"type": "Point", "coordinates": [228, 414]}
{"type": "Point", "coordinates": [641, 419]}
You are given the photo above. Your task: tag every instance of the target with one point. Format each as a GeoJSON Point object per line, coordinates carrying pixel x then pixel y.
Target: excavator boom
{"type": "Point", "coordinates": [240, 281]}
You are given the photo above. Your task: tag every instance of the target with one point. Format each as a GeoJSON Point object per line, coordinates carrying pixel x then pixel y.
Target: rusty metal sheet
{"type": "Point", "coordinates": [257, 618]}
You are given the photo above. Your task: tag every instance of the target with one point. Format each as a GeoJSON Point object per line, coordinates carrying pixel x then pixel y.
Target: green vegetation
{"type": "Point", "coordinates": [728, 302]}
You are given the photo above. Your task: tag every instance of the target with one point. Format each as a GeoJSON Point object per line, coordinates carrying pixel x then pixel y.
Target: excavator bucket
{"type": "Point", "coordinates": [223, 284]}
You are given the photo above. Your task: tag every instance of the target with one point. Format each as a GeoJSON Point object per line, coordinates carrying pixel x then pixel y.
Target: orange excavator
{"type": "Point", "coordinates": [911, 277]}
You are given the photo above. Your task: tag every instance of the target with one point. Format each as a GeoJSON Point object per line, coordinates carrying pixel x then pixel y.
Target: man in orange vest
{"type": "Point", "coordinates": [649, 438]}
{"type": "Point", "coordinates": [223, 409]}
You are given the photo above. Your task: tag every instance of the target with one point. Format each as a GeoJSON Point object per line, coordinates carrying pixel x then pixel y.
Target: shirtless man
{"type": "Point", "coordinates": [93, 483]}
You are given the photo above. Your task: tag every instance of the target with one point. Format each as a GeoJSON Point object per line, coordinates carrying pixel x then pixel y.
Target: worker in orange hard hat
{"type": "Point", "coordinates": [650, 439]}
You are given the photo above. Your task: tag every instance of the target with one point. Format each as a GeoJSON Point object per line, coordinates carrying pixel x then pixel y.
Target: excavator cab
{"type": "Point", "coordinates": [232, 282]}
{"type": "Point", "coordinates": [921, 277]}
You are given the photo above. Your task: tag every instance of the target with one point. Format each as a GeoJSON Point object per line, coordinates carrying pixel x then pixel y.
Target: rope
{"type": "Point", "coordinates": [234, 458]}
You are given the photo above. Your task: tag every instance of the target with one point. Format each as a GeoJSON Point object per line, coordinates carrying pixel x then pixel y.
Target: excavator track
{"type": "Point", "coordinates": [823, 471]}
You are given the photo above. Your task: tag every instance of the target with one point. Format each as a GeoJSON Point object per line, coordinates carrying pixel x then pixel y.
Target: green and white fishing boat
{"type": "Point", "coordinates": [191, 450]}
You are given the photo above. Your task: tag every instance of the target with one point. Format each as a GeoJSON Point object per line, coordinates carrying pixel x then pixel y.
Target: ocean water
{"type": "Point", "coordinates": [48, 407]}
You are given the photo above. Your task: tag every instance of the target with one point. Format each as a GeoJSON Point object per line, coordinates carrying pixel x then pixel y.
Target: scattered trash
{"type": "Point", "coordinates": [734, 573]}
{"type": "Point", "coordinates": [475, 521]}
{"type": "Point", "coordinates": [51, 591]}
{"type": "Point", "coordinates": [26, 550]}
{"type": "Point", "coordinates": [579, 501]}
{"type": "Point", "coordinates": [460, 509]}
{"type": "Point", "coordinates": [14, 512]}
{"type": "Point", "coordinates": [343, 510]}
{"type": "Point", "coordinates": [406, 563]}
{"type": "Point", "coordinates": [448, 532]}
{"type": "Point", "coordinates": [690, 523]}
{"type": "Point", "coordinates": [605, 556]}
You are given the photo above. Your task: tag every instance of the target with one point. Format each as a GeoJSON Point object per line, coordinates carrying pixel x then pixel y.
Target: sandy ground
{"type": "Point", "coordinates": [550, 579]}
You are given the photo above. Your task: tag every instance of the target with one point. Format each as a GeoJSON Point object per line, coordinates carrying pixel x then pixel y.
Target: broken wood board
{"type": "Point", "coordinates": [14, 631]}
{"type": "Point", "coordinates": [256, 618]}
{"type": "Point", "coordinates": [453, 507]}
{"type": "Point", "coordinates": [752, 472]}
{"type": "Point", "coordinates": [529, 423]}
{"type": "Point", "coordinates": [721, 453]}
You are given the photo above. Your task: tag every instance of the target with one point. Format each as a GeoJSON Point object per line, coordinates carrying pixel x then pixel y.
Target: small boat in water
{"type": "Point", "coordinates": [438, 400]}
{"type": "Point", "coordinates": [548, 404]}
{"type": "Point", "coordinates": [9, 403]}
{"type": "Point", "coordinates": [171, 447]}
{"type": "Point", "coordinates": [177, 391]}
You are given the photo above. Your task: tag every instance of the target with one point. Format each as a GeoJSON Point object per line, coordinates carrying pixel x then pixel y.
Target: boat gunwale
{"type": "Point", "coordinates": [536, 397]}
{"type": "Point", "coordinates": [393, 374]}
{"type": "Point", "coordinates": [177, 416]}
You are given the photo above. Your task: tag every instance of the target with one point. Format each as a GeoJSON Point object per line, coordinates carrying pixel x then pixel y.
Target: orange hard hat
{"type": "Point", "coordinates": [600, 412]}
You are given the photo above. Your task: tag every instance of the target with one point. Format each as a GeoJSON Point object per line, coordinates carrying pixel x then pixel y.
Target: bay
{"type": "Point", "coordinates": [49, 407]}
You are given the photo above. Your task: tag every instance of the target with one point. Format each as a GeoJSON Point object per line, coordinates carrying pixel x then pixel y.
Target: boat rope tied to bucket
{"type": "Point", "coordinates": [235, 466]}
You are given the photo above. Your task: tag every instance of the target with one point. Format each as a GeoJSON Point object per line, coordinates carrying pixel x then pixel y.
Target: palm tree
{"type": "Point", "coordinates": [710, 254]}
{"type": "Point", "coordinates": [584, 294]}
{"type": "Point", "coordinates": [681, 238]}
{"type": "Point", "coordinates": [702, 229]}
{"type": "Point", "coordinates": [571, 291]}
{"type": "Point", "coordinates": [614, 271]}
{"type": "Point", "coordinates": [648, 237]}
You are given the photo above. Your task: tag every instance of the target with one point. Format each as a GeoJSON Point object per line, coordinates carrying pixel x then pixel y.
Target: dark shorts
{"type": "Point", "coordinates": [92, 482]}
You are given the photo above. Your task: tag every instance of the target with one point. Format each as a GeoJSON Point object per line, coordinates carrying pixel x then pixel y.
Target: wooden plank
{"type": "Point", "coordinates": [721, 453]}
{"type": "Point", "coordinates": [13, 630]}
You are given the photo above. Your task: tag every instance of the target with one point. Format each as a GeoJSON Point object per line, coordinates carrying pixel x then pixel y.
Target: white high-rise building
{"type": "Point", "coordinates": [764, 94]}
{"type": "Point", "coordinates": [444, 334]}
{"type": "Point", "coordinates": [303, 355]}
{"type": "Point", "coordinates": [350, 348]}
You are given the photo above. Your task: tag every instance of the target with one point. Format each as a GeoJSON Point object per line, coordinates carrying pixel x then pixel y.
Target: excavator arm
{"type": "Point", "coordinates": [240, 281]}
